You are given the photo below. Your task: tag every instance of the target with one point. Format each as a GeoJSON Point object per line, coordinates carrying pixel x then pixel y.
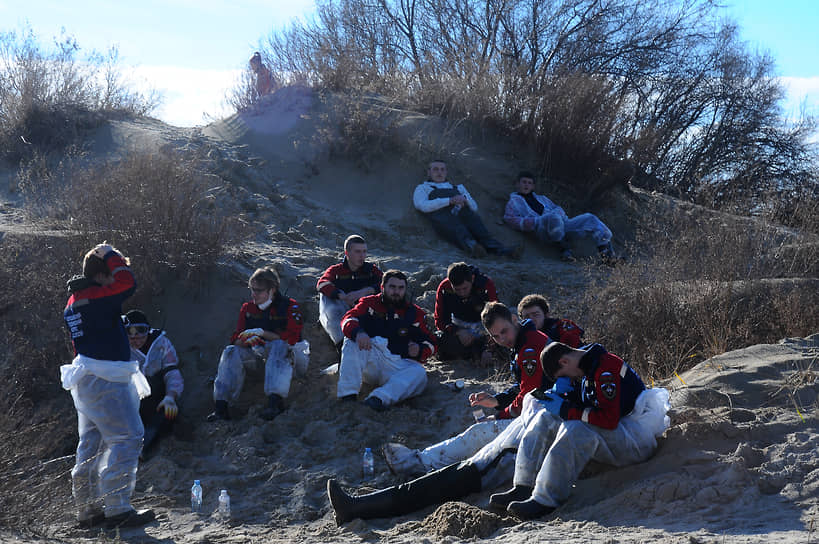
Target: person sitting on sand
{"type": "Point", "coordinates": [453, 214]}
{"type": "Point", "coordinates": [403, 460]}
{"type": "Point", "coordinates": [343, 284]}
{"type": "Point", "coordinates": [265, 81]}
{"type": "Point", "coordinates": [159, 363]}
{"type": "Point", "coordinates": [269, 329]}
{"type": "Point", "coordinates": [528, 211]}
{"type": "Point", "coordinates": [598, 409]}
{"type": "Point", "coordinates": [106, 386]}
{"type": "Point", "coordinates": [386, 343]}
{"type": "Point", "coordinates": [536, 308]}
{"type": "Point", "coordinates": [459, 300]}
{"type": "Point", "coordinates": [526, 343]}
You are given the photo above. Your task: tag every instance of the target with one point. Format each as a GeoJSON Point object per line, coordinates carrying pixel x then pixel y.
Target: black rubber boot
{"type": "Point", "coordinates": [220, 411]}
{"type": "Point", "coordinates": [499, 501]}
{"type": "Point", "coordinates": [275, 406]}
{"type": "Point", "coordinates": [529, 509]}
{"type": "Point", "coordinates": [449, 483]}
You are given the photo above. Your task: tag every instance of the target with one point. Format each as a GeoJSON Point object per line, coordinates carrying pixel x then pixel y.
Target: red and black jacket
{"type": "Point", "coordinates": [526, 368]}
{"type": "Point", "coordinates": [563, 330]}
{"type": "Point", "coordinates": [448, 304]}
{"type": "Point", "coordinates": [400, 325]}
{"type": "Point", "coordinates": [92, 313]}
{"type": "Point", "coordinates": [283, 317]}
{"type": "Point", "coordinates": [340, 277]}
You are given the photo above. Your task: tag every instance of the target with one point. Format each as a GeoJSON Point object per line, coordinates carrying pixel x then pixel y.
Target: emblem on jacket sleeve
{"type": "Point", "coordinates": [608, 385]}
{"type": "Point", "coordinates": [529, 361]}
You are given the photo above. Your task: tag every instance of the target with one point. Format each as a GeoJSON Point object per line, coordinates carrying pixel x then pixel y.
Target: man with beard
{"type": "Point", "coordinates": [386, 342]}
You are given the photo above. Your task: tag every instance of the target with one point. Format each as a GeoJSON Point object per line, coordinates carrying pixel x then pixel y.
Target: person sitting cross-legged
{"type": "Point", "coordinates": [528, 211]}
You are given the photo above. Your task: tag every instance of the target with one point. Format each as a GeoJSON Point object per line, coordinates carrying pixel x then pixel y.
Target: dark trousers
{"type": "Point", "coordinates": [462, 228]}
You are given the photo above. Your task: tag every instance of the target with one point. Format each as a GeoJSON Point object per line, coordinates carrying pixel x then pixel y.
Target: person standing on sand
{"type": "Point", "coordinates": [264, 77]}
{"type": "Point", "coordinates": [453, 214]}
{"type": "Point", "coordinates": [386, 344]}
{"type": "Point", "coordinates": [526, 342]}
{"type": "Point", "coordinates": [159, 363]}
{"type": "Point", "coordinates": [343, 284]}
{"type": "Point", "coordinates": [459, 300]}
{"type": "Point", "coordinates": [269, 328]}
{"type": "Point", "coordinates": [106, 386]}
{"type": "Point", "coordinates": [528, 211]}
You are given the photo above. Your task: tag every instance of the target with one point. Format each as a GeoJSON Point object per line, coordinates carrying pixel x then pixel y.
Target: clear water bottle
{"type": "Point", "coordinates": [368, 467]}
{"type": "Point", "coordinates": [196, 497]}
{"type": "Point", "coordinates": [224, 504]}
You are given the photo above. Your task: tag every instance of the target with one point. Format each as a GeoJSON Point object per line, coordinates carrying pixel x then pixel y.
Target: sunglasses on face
{"type": "Point", "coordinates": [137, 330]}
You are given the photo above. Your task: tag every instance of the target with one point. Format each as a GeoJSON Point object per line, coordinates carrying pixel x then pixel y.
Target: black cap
{"type": "Point", "coordinates": [136, 317]}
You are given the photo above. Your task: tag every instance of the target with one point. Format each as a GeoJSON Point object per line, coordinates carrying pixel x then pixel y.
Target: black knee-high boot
{"type": "Point", "coordinates": [446, 484]}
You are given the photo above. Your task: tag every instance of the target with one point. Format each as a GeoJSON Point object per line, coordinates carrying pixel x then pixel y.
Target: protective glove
{"type": "Point", "coordinates": [247, 334]}
{"type": "Point", "coordinates": [169, 405]}
{"type": "Point", "coordinates": [551, 402]}
{"type": "Point", "coordinates": [254, 341]}
{"type": "Point", "coordinates": [562, 386]}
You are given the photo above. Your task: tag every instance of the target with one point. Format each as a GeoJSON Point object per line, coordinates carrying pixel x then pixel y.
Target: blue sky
{"type": "Point", "coordinates": [193, 50]}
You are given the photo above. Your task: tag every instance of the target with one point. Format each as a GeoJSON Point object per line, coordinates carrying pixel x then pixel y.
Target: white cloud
{"type": "Point", "coordinates": [801, 89]}
{"type": "Point", "coordinates": [188, 93]}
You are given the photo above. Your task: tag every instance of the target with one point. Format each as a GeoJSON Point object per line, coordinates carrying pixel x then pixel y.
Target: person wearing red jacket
{"type": "Point", "coordinates": [269, 329]}
{"type": "Point", "coordinates": [526, 342]}
{"type": "Point", "coordinates": [536, 308]}
{"type": "Point", "coordinates": [458, 304]}
{"type": "Point", "coordinates": [106, 386]}
{"type": "Point", "coordinates": [604, 414]}
{"type": "Point", "coordinates": [386, 344]}
{"type": "Point", "coordinates": [343, 284]}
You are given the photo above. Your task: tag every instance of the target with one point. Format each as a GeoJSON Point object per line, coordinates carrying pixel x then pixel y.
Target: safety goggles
{"type": "Point", "coordinates": [137, 330]}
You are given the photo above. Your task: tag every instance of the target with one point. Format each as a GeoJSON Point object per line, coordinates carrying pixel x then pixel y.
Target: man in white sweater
{"type": "Point", "coordinates": [452, 211]}
{"type": "Point", "coordinates": [530, 212]}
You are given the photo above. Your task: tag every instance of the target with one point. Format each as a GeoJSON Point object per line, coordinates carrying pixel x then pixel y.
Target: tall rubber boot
{"type": "Point", "coordinates": [449, 483]}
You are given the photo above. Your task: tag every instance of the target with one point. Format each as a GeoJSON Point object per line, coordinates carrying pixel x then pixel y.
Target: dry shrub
{"type": "Point", "coordinates": [711, 283]}
{"type": "Point", "coordinates": [49, 95]}
{"type": "Point", "coordinates": [155, 207]}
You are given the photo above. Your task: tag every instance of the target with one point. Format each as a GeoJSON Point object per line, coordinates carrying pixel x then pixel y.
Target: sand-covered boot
{"type": "Point", "coordinates": [449, 483]}
{"type": "Point", "coordinates": [529, 509]}
{"type": "Point", "coordinates": [402, 460]}
{"type": "Point", "coordinates": [275, 406]}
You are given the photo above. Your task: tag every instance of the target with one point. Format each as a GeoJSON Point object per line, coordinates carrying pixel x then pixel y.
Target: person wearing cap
{"type": "Point", "coordinates": [528, 211]}
{"type": "Point", "coordinates": [106, 386]}
{"type": "Point", "coordinates": [264, 77]}
{"type": "Point", "coordinates": [269, 329]}
{"type": "Point", "coordinates": [159, 363]}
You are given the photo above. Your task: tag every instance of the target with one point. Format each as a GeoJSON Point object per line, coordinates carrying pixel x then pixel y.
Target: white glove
{"type": "Point", "coordinates": [171, 410]}
{"type": "Point", "coordinates": [250, 333]}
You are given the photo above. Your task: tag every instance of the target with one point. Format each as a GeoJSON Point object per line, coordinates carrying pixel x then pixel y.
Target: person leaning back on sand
{"type": "Point", "coordinates": [386, 344]}
{"type": "Point", "coordinates": [106, 386]}
{"type": "Point", "coordinates": [269, 329]}
{"type": "Point", "coordinates": [342, 285]}
{"type": "Point", "coordinates": [528, 211]}
{"type": "Point", "coordinates": [453, 214]}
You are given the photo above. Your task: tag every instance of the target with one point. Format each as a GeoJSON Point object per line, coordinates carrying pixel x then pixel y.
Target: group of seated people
{"type": "Point", "coordinates": [453, 214]}
{"type": "Point", "coordinates": [567, 404]}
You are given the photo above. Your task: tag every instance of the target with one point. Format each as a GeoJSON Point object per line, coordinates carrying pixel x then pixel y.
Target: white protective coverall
{"type": "Point", "coordinates": [280, 360]}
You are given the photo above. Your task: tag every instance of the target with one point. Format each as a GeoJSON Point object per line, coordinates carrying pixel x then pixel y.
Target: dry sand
{"type": "Point", "coordinates": [737, 465]}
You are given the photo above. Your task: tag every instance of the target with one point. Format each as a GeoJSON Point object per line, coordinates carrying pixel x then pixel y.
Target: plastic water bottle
{"type": "Point", "coordinates": [369, 464]}
{"type": "Point", "coordinates": [224, 504]}
{"type": "Point", "coordinates": [196, 497]}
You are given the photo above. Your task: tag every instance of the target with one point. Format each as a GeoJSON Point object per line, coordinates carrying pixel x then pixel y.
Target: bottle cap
{"type": "Point", "coordinates": [367, 450]}
{"type": "Point", "coordinates": [196, 482]}
{"type": "Point", "coordinates": [459, 384]}
{"type": "Point", "coordinates": [224, 492]}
